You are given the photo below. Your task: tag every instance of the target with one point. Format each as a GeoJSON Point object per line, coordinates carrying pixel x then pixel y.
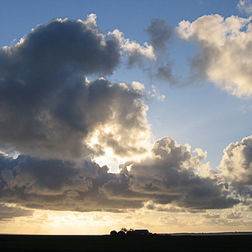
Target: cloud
{"type": "Point", "coordinates": [245, 6]}
{"type": "Point", "coordinates": [48, 107]}
{"type": "Point", "coordinates": [57, 185]}
{"type": "Point", "coordinates": [49, 47]}
{"type": "Point", "coordinates": [160, 33]}
{"type": "Point", "coordinates": [169, 176]}
{"type": "Point", "coordinates": [136, 53]}
{"type": "Point", "coordinates": [164, 72]}
{"type": "Point", "coordinates": [154, 93]}
{"type": "Point", "coordinates": [236, 166]}
{"type": "Point", "coordinates": [59, 122]}
{"type": "Point", "coordinates": [222, 42]}
{"type": "Point", "coordinates": [7, 212]}
{"type": "Point", "coordinates": [136, 85]}
{"type": "Point", "coordinates": [150, 205]}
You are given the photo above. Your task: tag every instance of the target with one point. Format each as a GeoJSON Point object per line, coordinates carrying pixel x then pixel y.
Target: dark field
{"type": "Point", "coordinates": [139, 243]}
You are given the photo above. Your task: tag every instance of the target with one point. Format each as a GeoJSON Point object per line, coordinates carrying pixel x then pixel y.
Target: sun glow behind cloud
{"type": "Point", "coordinates": [108, 156]}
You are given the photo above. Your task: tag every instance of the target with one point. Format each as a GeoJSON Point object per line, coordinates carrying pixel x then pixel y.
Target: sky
{"type": "Point", "coordinates": [132, 114]}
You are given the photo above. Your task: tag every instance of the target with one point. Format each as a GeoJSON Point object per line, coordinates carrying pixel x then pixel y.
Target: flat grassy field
{"type": "Point", "coordinates": [138, 243]}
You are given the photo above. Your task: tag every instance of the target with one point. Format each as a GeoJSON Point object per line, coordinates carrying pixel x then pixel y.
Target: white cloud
{"type": "Point", "coordinates": [135, 51]}
{"type": "Point", "coordinates": [154, 93]}
{"type": "Point", "coordinates": [136, 85]}
{"type": "Point", "coordinates": [91, 20]}
{"type": "Point", "coordinates": [236, 163]}
{"type": "Point", "coordinates": [236, 167]}
{"type": "Point", "coordinates": [225, 51]}
{"type": "Point", "coordinates": [245, 6]}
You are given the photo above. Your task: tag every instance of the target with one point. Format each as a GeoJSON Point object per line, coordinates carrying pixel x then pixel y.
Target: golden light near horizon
{"type": "Point", "coordinates": [176, 220]}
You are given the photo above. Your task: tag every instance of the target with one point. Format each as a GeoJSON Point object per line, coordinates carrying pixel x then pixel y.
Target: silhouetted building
{"type": "Point", "coordinates": [141, 232]}
{"type": "Point", "coordinates": [124, 232]}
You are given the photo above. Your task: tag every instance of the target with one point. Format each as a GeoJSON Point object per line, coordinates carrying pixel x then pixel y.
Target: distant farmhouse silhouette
{"type": "Point", "coordinates": [131, 232]}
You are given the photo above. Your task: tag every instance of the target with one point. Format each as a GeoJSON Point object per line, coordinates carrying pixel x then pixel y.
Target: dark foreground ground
{"type": "Point", "coordinates": [139, 243]}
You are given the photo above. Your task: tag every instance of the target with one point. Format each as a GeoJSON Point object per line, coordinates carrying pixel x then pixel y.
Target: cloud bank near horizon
{"type": "Point", "coordinates": [172, 175]}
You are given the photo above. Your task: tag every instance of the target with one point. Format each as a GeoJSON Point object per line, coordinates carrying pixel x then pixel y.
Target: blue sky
{"type": "Point", "coordinates": [132, 17]}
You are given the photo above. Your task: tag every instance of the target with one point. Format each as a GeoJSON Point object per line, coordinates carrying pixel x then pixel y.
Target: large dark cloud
{"type": "Point", "coordinates": [168, 177]}
{"type": "Point", "coordinates": [57, 185]}
{"type": "Point", "coordinates": [48, 108]}
{"type": "Point", "coordinates": [66, 45]}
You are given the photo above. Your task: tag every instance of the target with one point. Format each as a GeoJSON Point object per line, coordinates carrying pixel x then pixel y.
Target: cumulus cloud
{"type": "Point", "coordinates": [136, 53]}
{"type": "Point", "coordinates": [57, 185]}
{"type": "Point", "coordinates": [245, 6]}
{"type": "Point", "coordinates": [169, 176]}
{"type": "Point", "coordinates": [236, 166]}
{"type": "Point", "coordinates": [136, 85]}
{"type": "Point", "coordinates": [222, 42]}
{"type": "Point", "coordinates": [49, 109]}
